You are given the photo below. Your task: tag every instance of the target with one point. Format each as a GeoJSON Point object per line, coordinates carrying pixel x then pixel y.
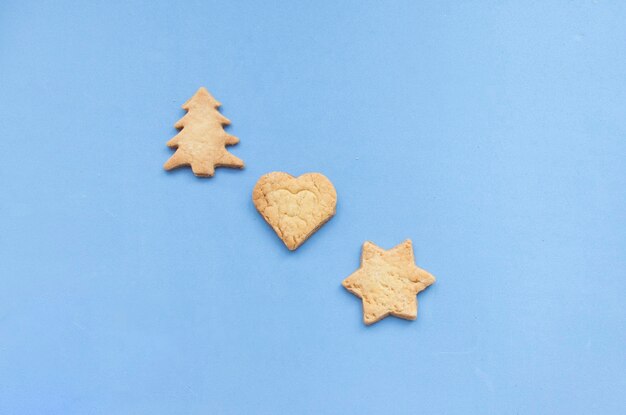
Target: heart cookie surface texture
{"type": "Point", "coordinates": [295, 207]}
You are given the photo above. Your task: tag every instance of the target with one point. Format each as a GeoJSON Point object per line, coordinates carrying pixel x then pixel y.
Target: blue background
{"type": "Point", "coordinates": [493, 134]}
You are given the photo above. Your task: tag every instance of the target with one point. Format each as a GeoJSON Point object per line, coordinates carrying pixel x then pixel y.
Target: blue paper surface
{"type": "Point", "coordinates": [492, 134]}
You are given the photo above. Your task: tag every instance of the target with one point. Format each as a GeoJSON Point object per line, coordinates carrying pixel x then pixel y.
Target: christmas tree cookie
{"type": "Point", "coordinates": [202, 141]}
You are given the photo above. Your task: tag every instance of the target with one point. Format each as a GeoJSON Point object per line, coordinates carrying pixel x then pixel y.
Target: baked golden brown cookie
{"type": "Point", "coordinates": [295, 207]}
{"type": "Point", "coordinates": [388, 282]}
{"type": "Point", "coordinates": [202, 141]}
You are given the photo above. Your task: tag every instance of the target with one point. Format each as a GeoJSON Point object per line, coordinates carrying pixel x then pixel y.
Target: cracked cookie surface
{"type": "Point", "coordinates": [388, 282]}
{"type": "Point", "coordinates": [295, 207]}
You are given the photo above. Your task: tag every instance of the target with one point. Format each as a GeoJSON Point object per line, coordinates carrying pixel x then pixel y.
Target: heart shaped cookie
{"type": "Point", "coordinates": [295, 207]}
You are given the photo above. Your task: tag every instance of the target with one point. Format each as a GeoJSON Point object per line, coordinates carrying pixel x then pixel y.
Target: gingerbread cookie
{"type": "Point", "coordinates": [295, 207]}
{"type": "Point", "coordinates": [202, 141]}
{"type": "Point", "coordinates": [388, 282]}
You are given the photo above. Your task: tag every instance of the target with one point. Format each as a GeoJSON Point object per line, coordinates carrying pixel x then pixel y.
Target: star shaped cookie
{"type": "Point", "coordinates": [388, 282]}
